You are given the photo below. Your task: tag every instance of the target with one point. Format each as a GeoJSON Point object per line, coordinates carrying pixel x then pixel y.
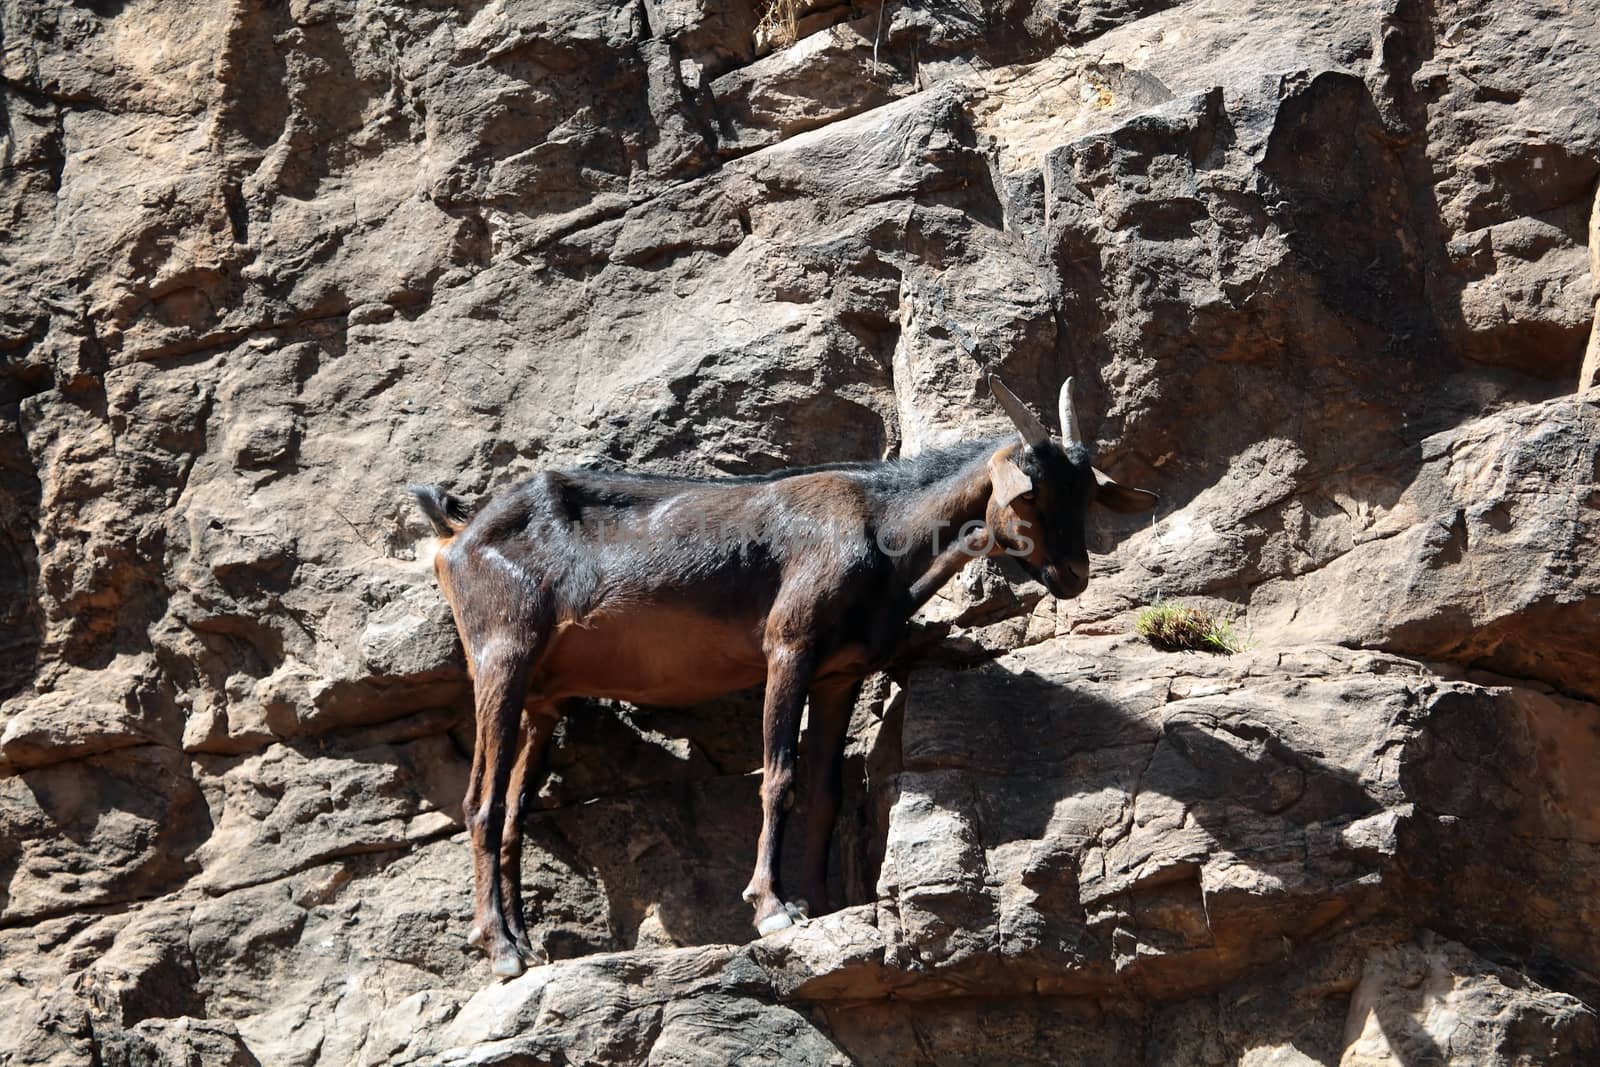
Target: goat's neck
{"type": "Point", "coordinates": [930, 523]}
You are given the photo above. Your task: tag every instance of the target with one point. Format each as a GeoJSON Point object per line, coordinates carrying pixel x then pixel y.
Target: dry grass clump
{"type": "Point", "coordinates": [779, 25]}
{"type": "Point", "coordinates": [1176, 627]}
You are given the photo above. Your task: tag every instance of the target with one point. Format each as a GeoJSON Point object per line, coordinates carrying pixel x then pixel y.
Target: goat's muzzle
{"type": "Point", "coordinates": [1066, 582]}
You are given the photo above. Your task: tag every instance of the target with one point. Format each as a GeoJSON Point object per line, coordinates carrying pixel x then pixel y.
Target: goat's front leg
{"type": "Point", "coordinates": [538, 723]}
{"type": "Point", "coordinates": [789, 670]}
{"type": "Point", "coordinates": [831, 704]}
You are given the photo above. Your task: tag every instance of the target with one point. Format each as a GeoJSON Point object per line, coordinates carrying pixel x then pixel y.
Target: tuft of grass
{"type": "Point", "coordinates": [1176, 627]}
{"type": "Point", "coordinates": [779, 24]}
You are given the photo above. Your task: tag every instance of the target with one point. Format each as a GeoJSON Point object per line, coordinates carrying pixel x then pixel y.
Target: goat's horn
{"type": "Point", "coordinates": [1069, 418]}
{"type": "Point", "coordinates": [1028, 425]}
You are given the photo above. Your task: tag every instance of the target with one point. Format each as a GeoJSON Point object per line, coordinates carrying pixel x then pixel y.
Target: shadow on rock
{"type": "Point", "coordinates": [1079, 817]}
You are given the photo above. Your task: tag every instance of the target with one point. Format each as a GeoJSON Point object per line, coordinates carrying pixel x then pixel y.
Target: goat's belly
{"type": "Point", "coordinates": [657, 656]}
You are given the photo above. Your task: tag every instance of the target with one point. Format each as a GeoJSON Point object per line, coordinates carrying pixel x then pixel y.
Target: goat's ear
{"type": "Point", "coordinates": [1118, 497]}
{"type": "Point", "coordinates": [1006, 480]}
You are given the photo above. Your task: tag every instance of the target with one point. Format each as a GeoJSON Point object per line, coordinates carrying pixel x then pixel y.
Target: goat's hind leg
{"type": "Point", "coordinates": [501, 682]}
{"type": "Point", "coordinates": [538, 723]}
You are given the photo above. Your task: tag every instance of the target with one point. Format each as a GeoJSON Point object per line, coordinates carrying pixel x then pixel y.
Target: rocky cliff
{"type": "Point", "coordinates": [1325, 272]}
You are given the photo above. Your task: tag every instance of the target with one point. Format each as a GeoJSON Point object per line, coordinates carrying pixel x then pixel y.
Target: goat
{"type": "Point", "coordinates": [672, 591]}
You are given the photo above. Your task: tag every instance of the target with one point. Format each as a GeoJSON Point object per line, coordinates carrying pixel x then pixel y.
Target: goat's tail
{"type": "Point", "coordinates": [445, 513]}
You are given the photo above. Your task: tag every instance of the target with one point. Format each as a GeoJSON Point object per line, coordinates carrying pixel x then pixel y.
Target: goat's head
{"type": "Point", "coordinates": [1041, 489]}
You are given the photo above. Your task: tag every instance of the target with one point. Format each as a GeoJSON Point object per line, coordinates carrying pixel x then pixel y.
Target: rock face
{"type": "Point", "coordinates": [1326, 275]}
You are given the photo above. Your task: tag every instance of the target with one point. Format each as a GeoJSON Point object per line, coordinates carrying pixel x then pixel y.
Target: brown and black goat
{"type": "Point", "coordinates": [672, 591]}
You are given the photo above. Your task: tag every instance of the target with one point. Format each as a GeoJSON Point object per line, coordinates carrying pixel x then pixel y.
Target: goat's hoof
{"type": "Point", "coordinates": [536, 958]}
{"type": "Point", "coordinates": [778, 920]}
{"type": "Point", "coordinates": [475, 937]}
{"type": "Point", "coordinates": [507, 966]}
{"type": "Point", "coordinates": [799, 909]}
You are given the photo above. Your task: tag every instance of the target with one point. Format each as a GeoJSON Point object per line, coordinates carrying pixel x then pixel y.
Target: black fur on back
{"type": "Point", "coordinates": [887, 475]}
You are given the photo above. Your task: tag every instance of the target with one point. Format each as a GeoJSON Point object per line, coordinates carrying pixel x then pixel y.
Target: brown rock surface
{"type": "Point", "coordinates": [1326, 274]}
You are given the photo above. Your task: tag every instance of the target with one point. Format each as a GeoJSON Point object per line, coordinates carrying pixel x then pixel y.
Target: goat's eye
{"type": "Point", "coordinates": [1028, 496]}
